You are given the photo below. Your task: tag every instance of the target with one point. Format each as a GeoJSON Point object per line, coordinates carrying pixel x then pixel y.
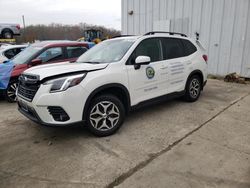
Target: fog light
{"type": "Point", "coordinates": [58, 113]}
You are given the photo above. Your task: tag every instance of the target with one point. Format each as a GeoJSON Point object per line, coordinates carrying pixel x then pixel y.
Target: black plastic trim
{"type": "Point", "coordinates": [170, 33]}
{"type": "Point", "coordinates": [102, 88]}
{"type": "Point", "coordinates": [159, 99]}
{"type": "Point", "coordinates": [196, 72]}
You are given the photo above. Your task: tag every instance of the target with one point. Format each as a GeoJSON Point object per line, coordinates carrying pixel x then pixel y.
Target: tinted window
{"type": "Point", "coordinates": [51, 54]}
{"type": "Point", "coordinates": [149, 47]}
{"type": "Point", "coordinates": [12, 52]}
{"type": "Point", "coordinates": [189, 47]}
{"type": "Point", "coordinates": [172, 48]}
{"type": "Point", "coordinates": [75, 51]}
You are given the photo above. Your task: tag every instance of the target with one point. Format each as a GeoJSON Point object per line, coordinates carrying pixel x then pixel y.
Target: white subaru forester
{"type": "Point", "coordinates": [112, 78]}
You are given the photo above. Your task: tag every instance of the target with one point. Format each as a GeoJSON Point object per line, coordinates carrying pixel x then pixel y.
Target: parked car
{"type": "Point", "coordinates": [2, 44]}
{"type": "Point", "coordinates": [112, 78]}
{"type": "Point", "coordinates": [8, 30]}
{"type": "Point", "coordinates": [8, 52]}
{"type": "Point", "coordinates": [41, 53]}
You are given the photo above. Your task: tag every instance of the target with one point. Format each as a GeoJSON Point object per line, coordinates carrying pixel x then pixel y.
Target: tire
{"type": "Point", "coordinates": [7, 34]}
{"type": "Point", "coordinates": [193, 89]}
{"type": "Point", "coordinates": [105, 115]}
{"type": "Point", "coordinates": [10, 92]}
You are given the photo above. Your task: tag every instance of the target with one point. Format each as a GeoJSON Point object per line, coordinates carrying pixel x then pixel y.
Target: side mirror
{"type": "Point", "coordinates": [142, 60]}
{"type": "Point", "coordinates": [35, 62]}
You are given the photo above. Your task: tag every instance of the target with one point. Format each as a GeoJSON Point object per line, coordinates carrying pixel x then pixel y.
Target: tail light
{"type": "Point", "coordinates": [18, 27]}
{"type": "Point", "coordinates": [205, 58]}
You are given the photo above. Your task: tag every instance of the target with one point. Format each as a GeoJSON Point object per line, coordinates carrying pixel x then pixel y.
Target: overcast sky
{"type": "Point", "coordinates": [100, 12]}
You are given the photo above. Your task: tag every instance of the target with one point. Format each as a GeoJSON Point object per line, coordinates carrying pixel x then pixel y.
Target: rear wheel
{"type": "Point", "coordinates": [7, 34]}
{"type": "Point", "coordinates": [10, 92]}
{"type": "Point", "coordinates": [193, 89]}
{"type": "Point", "coordinates": [105, 115]}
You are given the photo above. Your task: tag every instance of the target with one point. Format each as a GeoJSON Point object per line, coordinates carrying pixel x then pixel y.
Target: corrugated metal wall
{"type": "Point", "coordinates": [224, 27]}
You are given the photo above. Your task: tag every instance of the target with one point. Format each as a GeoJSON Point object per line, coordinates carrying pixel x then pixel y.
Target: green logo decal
{"type": "Point", "coordinates": [150, 72]}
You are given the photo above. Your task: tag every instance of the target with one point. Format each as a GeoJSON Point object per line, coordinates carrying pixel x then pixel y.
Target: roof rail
{"type": "Point", "coordinates": [123, 36]}
{"type": "Point", "coordinates": [170, 33]}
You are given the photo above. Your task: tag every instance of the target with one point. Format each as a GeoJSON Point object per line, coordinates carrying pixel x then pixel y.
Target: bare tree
{"type": "Point", "coordinates": [56, 31]}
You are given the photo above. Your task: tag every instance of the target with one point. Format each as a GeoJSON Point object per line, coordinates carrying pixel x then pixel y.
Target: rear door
{"type": "Point", "coordinates": [147, 82]}
{"type": "Point", "coordinates": [175, 61]}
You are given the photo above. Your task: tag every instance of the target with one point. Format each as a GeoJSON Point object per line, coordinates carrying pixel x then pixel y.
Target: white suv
{"type": "Point", "coordinates": [112, 78]}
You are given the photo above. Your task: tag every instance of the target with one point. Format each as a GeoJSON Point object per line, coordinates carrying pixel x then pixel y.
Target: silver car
{"type": "Point", "coordinates": [7, 31]}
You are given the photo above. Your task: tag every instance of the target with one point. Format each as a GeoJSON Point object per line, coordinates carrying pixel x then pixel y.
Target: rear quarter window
{"type": "Point", "coordinates": [189, 48]}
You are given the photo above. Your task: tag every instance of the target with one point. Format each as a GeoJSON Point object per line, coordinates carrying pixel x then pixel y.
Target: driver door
{"type": "Point", "coordinates": [148, 81]}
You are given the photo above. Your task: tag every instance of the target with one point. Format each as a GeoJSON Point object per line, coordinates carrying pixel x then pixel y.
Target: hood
{"type": "Point", "coordinates": [55, 69]}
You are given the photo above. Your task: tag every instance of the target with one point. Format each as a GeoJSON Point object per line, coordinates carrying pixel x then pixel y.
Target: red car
{"type": "Point", "coordinates": [42, 53]}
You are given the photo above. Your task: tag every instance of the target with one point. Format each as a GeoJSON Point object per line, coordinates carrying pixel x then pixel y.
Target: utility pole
{"type": "Point", "coordinates": [24, 37]}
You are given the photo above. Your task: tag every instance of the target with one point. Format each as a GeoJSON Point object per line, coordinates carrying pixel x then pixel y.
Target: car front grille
{"type": "Point", "coordinates": [28, 86]}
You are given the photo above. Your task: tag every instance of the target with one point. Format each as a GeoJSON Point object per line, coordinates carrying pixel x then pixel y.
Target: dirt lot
{"type": "Point", "coordinates": [174, 144]}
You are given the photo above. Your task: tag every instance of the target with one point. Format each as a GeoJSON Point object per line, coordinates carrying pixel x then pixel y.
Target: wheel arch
{"type": "Point", "coordinates": [5, 30]}
{"type": "Point", "coordinates": [198, 73]}
{"type": "Point", "coordinates": [119, 90]}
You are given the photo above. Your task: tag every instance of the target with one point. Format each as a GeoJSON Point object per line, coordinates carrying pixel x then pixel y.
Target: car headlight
{"type": "Point", "coordinates": [62, 84]}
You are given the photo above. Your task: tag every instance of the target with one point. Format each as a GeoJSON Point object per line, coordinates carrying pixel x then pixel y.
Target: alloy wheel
{"type": "Point", "coordinates": [104, 116]}
{"type": "Point", "coordinates": [194, 88]}
{"type": "Point", "coordinates": [11, 91]}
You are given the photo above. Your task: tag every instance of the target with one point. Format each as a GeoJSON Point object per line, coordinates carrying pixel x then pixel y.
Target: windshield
{"type": "Point", "coordinates": [25, 55]}
{"type": "Point", "coordinates": [107, 51]}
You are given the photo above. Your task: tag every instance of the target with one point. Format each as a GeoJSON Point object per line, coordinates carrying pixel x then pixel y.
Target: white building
{"type": "Point", "coordinates": [223, 25]}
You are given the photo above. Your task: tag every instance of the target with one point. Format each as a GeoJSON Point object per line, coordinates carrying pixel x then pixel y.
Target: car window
{"type": "Point", "coordinates": [12, 52]}
{"type": "Point", "coordinates": [75, 51]}
{"type": "Point", "coordinates": [26, 55]}
{"type": "Point", "coordinates": [108, 51]}
{"type": "Point", "coordinates": [51, 54]}
{"type": "Point", "coordinates": [149, 47]}
{"type": "Point", "coordinates": [189, 47]}
{"type": "Point", "coordinates": [172, 48]}
{"type": "Point", "coordinates": [9, 54]}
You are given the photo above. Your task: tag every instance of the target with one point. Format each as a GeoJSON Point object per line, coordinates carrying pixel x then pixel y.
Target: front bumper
{"type": "Point", "coordinates": [71, 102]}
{"type": "Point", "coordinates": [33, 116]}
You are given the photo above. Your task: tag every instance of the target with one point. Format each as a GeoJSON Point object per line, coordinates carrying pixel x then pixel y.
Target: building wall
{"type": "Point", "coordinates": [223, 25]}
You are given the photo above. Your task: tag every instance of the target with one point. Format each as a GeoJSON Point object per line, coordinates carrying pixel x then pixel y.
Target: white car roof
{"type": "Point", "coordinates": [7, 47]}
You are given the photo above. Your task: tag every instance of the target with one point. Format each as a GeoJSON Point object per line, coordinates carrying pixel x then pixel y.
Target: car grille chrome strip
{"type": "Point", "coordinates": [28, 86]}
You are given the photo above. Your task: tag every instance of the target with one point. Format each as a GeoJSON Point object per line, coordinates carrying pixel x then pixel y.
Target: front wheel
{"type": "Point", "coordinates": [193, 89]}
{"type": "Point", "coordinates": [105, 115]}
{"type": "Point", "coordinates": [10, 92]}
